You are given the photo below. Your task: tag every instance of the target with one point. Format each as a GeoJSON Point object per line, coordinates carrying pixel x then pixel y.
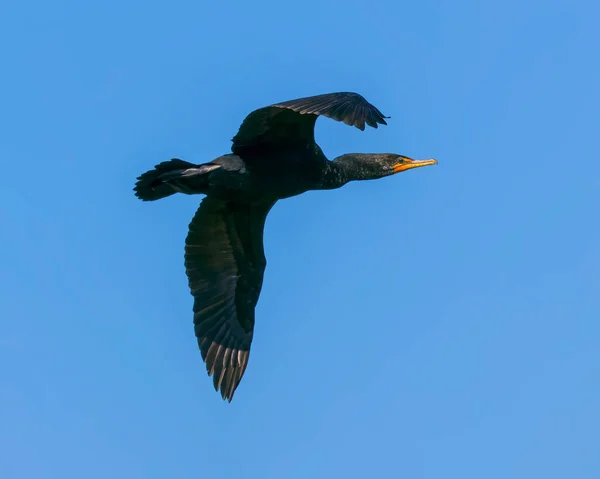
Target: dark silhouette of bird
{"type": "Point", "coordinates": [274, 156]}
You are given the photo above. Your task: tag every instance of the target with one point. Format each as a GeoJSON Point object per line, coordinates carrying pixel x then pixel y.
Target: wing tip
{"type": "Point", "coordinates": [226, 391]}
{"type": "Point", "coordinates": [233, 371]}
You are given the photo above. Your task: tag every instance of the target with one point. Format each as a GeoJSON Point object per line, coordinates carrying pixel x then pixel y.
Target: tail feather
{"type": "Point", "coordinates": [153, 185]}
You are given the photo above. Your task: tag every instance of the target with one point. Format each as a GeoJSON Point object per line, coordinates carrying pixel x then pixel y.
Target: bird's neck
{"type": "Point", "coordinates": [335, 176]}
{"type": "Point", "coordinates": [349, 167]}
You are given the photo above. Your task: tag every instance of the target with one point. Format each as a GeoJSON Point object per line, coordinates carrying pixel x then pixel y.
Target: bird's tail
{"type": "Point", "coordinates": [154, 184]}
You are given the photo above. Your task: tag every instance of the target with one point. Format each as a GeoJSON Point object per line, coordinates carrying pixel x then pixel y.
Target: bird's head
{"type": "Point", "coordinates": [370, 166]}
{"type": "Point", "coordinates": [393, 163]}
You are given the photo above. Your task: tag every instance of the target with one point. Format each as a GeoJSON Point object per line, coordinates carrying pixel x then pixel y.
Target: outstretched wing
{"type": "Point", "coordinates": [225, 263]}
{"type": "Point", "coordinates": [292, 122]}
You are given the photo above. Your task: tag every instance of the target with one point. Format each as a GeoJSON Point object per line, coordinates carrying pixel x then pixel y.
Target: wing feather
{"type": "Point", "coordinates": [291, 123]}
{"type": "Point", "coordinates": [225, 264]}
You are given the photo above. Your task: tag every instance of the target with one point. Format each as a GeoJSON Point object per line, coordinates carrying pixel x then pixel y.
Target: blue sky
{"type": "Point", "coordinates": [438, 323]}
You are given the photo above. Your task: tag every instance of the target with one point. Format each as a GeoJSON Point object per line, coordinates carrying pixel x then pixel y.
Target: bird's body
{"type": "Point", "coordinates": [266, 177]}
{"type": "Point", "coordinates": [274, 156]}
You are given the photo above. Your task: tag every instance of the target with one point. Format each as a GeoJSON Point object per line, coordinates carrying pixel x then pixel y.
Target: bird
{"type": "Point", "coordinates": [273, 156]}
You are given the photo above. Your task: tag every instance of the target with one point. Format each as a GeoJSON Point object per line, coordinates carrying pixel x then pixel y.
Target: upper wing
{"type": "Point", "coordinates": [225, 263]}
{"type": "Point", "coordinates": [293, 122]}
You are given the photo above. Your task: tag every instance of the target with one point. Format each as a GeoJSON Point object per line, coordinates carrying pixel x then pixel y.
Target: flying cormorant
{"type": "Point", "coordinates": [274, 156]}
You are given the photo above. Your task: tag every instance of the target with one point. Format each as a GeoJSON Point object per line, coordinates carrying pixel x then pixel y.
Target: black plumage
{"type": "Point", "coordinates": [274, 156]}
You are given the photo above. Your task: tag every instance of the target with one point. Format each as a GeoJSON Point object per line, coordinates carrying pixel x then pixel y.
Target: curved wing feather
{"type": "Point", "coordinates": [225, 264]}
{"type": "Point", "coordinates": [291, 123]}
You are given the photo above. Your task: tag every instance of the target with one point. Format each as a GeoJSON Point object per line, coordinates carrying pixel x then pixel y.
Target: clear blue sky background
{"type": "Point", "coordinates": [442, 323]}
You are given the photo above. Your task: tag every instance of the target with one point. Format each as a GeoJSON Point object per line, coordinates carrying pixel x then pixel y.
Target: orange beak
{"type": "Point", "coordinates": [409, 164]}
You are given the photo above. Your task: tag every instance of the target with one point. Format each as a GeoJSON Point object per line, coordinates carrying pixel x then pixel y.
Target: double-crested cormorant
{"type": "Point", "coordinates": [274, 156]}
